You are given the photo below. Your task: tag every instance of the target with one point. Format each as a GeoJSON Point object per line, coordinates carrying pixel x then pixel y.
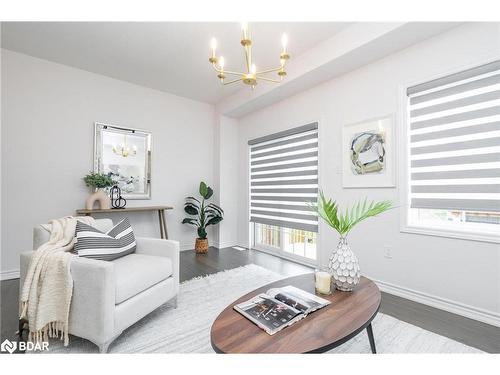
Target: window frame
{"type": "Point", "coordinates": [403, 164]}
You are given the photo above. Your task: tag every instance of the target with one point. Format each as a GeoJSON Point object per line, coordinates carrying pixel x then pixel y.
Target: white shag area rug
{"type": "Point", "coordinates": [186, 329]}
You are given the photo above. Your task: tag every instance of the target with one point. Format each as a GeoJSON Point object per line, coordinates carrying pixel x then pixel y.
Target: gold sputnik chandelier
{"type": "Point", "coordinates": [251, 75]}
{"type": "Point", "coordinates": [124, 149]}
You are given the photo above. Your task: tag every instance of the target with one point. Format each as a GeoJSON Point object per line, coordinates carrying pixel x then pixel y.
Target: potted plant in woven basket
{"type": "Point", "coordinates": [202, 214]}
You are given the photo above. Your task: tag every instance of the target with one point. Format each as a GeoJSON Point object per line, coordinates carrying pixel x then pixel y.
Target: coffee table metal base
{"type": "Point", "coordinates": [369, 331]}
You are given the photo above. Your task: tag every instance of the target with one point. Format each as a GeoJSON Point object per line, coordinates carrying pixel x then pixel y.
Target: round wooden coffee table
{"type": "Point", "coordinates": [347, 315]}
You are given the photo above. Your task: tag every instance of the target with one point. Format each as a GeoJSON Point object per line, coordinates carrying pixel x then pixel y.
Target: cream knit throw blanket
{"type": "Point", "coordinates": [48, 286]}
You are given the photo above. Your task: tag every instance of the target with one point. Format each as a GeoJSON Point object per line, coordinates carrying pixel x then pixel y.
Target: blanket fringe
{"type": "Point", "coordinates": [51, 330]}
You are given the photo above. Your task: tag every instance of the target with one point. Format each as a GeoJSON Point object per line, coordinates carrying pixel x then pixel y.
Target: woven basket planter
{"type": "Point", "coordinates": [201, 246]}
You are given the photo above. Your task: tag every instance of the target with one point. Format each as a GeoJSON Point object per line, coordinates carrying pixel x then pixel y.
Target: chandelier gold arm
{"type": "Point", "coordinates": [270, 70]}
{"type": "Point", "coordinates": [233, 81]}
{"type": "Point", "coordinates": [268, 79]}
{"type": "Point", "coordinates": [226, 71]}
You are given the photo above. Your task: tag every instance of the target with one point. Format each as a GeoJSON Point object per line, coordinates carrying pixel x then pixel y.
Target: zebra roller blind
{"type": "Point", "coordinates": [284, 178]}
{"type": "Point", "coordinates": [455, 141]}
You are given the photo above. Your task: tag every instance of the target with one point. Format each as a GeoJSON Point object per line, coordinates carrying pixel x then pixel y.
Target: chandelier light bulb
{"type": "Point", "coordinates": [213, 44]}
{"type": "Point", "coordinates": [244, 30]}
{"type": "Point", "coordinates": [253, 69]}
{"type": "Point", "coordinates": [284, 41]}
{"type": "Point", "coordinates": [221, 62]}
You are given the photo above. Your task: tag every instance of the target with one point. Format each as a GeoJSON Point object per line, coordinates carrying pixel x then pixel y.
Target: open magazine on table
{"type": "Point", "coordinates": [280, 307]}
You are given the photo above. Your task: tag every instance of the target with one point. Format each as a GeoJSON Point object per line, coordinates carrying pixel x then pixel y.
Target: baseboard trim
{"type": "Point", "coordinates": [222, 245]}
{"type": "Point", "coordinates": [454, 307]}
{"type": "Point", "coordinates": [9, 275]}
{"type": "Point", "coordinates": [186, 246]}
{"type": "Point", "coordinates": [219, 245]}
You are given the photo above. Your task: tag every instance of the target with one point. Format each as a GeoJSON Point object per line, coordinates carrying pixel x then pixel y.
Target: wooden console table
{"type": "Point", "coordinates": [159, 209]}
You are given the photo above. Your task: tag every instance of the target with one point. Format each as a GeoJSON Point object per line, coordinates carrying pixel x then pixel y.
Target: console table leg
{"type": "Point", "coordinates": [369, 330]}
{"type": "Point", "coordinates": [164, 224]}
{"type": "Point", "coordinates": [160, 219]}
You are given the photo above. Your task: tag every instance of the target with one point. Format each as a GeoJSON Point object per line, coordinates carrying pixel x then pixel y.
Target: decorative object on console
{"type": "Point", "coordinates": [251, 75]}
{"type": "Point", "coordinates": [205, 215]}
{"type": "Point", "coordinates": [368, 154]}
{"type": "Point", "coordinates": [343, 264]}
{"type": "Point", "coordinates": [117, 201]}
{"type": "Point", "coordinates": [99, 182]}
{"type": "Point", "coordinates": [125, 155]}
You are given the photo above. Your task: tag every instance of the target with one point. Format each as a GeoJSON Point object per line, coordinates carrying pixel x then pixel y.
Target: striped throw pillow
{"type": "Point", "coordinates": [92, 243]}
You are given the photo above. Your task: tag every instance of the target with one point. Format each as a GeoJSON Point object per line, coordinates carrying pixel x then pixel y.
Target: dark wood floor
{"type": "Point", "coordinates": [9, 295]}
{"type": "Point", "coordinates": [470, 332]}
{"type": "Point", "coordinates": [193, 265]}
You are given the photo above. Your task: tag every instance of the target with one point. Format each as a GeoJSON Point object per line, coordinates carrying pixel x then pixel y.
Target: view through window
{"type": "Point", "coordinates": [290, 241]}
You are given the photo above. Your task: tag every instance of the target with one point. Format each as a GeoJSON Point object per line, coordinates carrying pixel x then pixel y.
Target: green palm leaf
{"type": "Point", "coordinates": [343, 222]}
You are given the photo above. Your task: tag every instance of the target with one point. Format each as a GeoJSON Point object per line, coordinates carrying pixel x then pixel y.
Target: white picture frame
{"type": "Point", "coordinates": [374, 167]}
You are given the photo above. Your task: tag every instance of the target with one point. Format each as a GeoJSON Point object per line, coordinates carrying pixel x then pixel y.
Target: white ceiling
{"type": "Point", "coordinates": [167, 56]}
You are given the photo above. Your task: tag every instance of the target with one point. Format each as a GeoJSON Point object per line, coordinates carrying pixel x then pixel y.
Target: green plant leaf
{"type": "Point", "coordinates": [215, 207]}
{"type": "Point", "coordinates": [214, 220]}
{"type": "Point", "coordinates": [188, 220]}
{"type": "Point", "coordinates": [211, 214]}
{"type": "Point", "coordinates": [203, 189]}
{"type": "Point", "coordinates": [192, 204]}
{"type": "Point", "coordinates": [209, 194]}
{"type": "Point", "coordinates": [99, 180]}
{"type": "Point", "coordinates": [191, 210]}
{"type": "Point", "coordinates": [344, 222]}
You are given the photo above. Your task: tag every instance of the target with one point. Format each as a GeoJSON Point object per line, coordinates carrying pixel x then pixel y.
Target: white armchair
{"type": "Point", "coordinates": [109, 297]}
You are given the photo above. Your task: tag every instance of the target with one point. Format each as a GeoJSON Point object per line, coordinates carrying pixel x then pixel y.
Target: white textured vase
{"type": "Point", "coordinates": [344, 267]}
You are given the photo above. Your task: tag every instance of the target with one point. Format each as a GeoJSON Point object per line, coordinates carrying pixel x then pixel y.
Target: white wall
{"type": "Point", "coordinates": [459, 273]}
{"type": "Point", "coordinates": [226, 171]}
{"type": "Point", "coordinates": [48, 112]}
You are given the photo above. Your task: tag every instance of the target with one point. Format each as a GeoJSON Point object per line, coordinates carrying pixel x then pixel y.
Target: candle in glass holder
{"type": "Point", "coordinates": [323, 282]}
